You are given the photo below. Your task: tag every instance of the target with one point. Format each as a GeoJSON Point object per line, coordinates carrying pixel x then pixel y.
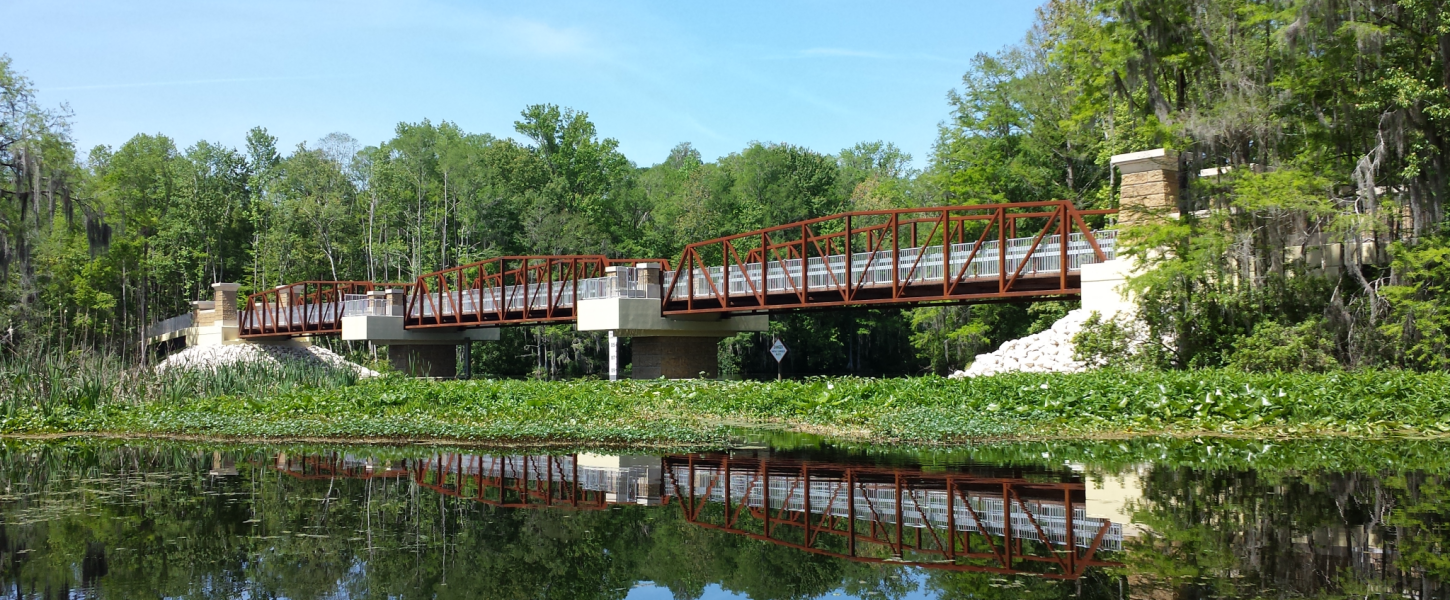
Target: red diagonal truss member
{"type": "Point", "coordinates": [890, 257]}
{"type": "Point", "coordinates": [303, 308]}
{"type": "Point", "coordinates": [542, 481]}
{"type": "Point", "coordinates": [931, 520]}
{"type": "Point", "coordinates": [509, 290]}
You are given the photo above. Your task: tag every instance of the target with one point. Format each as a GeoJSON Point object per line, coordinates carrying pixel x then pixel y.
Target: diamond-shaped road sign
{"type": "Point", "coordinates": [778, 350]}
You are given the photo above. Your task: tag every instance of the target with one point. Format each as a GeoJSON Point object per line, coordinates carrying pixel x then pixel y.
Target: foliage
{"type": "Point", "coordinates": [1278, 348]}
{"type": "Point", "coordinates": [1419, 317]}
{"type": "Point", "coordinates": [1118, 342]}
{"type": "Point", "coordinates": [927, 410]}
{"type": "Point", "coordinates": [56, 384]}
{"type": "Point", "coordinates": [1303, 127]}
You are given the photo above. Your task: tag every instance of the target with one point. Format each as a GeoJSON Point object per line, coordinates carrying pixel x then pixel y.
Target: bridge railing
{"type": "Point", "coordinates": [511, 289]}
{"type": "Point", "coordinates": [892, 256]}
{"type": "Point", "coordinates": [169, 326]}
{"type": "Point", "coordinates": [302, 308]}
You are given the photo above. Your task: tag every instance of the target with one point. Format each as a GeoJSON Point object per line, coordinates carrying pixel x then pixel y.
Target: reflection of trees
{"type": "Point", "coordinates": [149, 521]}
{"type": "Point", "coordinates": [1094, 584]}
{"type": "Point", "coordinates": [124, 521]}
{"type": "Point", "coordinates": [1240, 533]}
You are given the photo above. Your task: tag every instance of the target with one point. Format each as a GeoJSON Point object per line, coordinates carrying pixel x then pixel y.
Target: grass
{"type": "Point", "coordinates": [255, 401]}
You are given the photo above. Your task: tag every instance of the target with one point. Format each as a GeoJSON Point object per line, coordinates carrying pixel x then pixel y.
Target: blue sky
{"type": "Point", "coordinates": [651, 74]}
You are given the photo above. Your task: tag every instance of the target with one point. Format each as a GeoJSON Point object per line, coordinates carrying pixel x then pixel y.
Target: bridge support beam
{"type": "Point", "coordinates": [683, 347]}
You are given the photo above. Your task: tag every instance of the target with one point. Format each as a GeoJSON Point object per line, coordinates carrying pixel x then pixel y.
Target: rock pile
{"type": "Point", "coordinates": [1047, 351]}
{"type": "Point", "coordinates": [211, 357]}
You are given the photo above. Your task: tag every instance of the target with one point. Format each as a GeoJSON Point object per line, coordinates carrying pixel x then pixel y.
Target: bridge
{"type": "Point", "coordinates": [1002, 521]}
{"type": "Point", "coordinates": [716, 288]}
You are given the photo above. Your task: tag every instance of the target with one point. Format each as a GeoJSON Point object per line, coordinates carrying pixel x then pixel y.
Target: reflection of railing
{"type": "Point", "coordinates": [537, 481]}
{"type": "Point", "coordinates": [892, 257]}
{"type": "Point", "coordinates": [334, 465]}
{"type": "Point", "coordinates": [973, 523]}
{"type": "Point", "coordinates": [998, 523]}
{"type": "Point", "coordinates": [169, 326]}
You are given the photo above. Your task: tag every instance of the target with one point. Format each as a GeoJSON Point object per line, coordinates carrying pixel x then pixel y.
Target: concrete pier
{"type": "Point", "coordinates": [425, 360]}
{"type": "Point", "coordinates": [669, 347]}
{"type": "Point", "coordinates": [675, 357]}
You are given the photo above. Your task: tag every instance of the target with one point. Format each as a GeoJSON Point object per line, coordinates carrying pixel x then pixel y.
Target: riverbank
{"type": "Point", "coordinates": [914, 411]}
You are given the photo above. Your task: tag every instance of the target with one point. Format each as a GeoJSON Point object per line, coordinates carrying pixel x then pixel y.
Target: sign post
{"type": "Point", "coordinates": [778, 350]}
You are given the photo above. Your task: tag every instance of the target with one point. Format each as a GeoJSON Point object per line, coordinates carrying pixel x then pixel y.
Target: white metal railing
{"type": "Point", "coordinates": [365, 305]}
{"type": "Point", "coordinates": [325, 313]}
{"type": "Point", "coordinates": [914, 266]}
{"type": "Point", "coordinates": [172, 325]}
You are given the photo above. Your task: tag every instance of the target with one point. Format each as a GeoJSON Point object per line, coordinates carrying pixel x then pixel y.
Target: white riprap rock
{"type": "Point", "coordinates": [1048, 351]}
{"type": "Point", "coordinates": [211, 357]}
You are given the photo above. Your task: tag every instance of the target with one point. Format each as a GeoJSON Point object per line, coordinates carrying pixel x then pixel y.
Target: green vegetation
{"type": "Point", "coordinates": [912, 411]}
{"type": "Point", "coordinates": [1300, 125]}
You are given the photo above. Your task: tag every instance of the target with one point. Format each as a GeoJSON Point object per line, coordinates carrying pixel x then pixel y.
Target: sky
{"type": "Point", "coordinates": [824, 75]}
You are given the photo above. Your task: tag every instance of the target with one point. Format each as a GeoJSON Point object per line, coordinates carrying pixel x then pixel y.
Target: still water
{"type": "Point", "coordinates": [1140, 519]}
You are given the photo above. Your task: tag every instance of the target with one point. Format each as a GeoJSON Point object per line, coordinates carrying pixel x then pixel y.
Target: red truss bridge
{"type": "Point", "coordinates": [997, 522]}
{"type": "Point", "coordinates": [898, 257]}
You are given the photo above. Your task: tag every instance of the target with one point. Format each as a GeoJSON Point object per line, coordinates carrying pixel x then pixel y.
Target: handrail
{"type": "Point", "coordinates": [872, 257]}
{"type": "Point", "coordinates": [839, 250]}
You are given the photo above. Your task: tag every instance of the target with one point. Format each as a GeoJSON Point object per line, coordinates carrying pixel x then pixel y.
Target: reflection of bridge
{"type": "Point", "coordinates": [1000, 522]}
{"type": "Point", "coordinates": [971, 522]}
{"type": "Point", "coordinates": [887, 257]}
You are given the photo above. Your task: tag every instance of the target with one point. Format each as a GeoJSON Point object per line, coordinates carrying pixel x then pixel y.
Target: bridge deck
{"type": "Point", "coordinates": [901, 258]}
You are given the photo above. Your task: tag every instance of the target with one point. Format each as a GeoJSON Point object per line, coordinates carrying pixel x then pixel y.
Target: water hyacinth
{"type": "Point", "coordinates": [256, 402]}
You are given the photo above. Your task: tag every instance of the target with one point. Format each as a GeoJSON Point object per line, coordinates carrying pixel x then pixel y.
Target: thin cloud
{"type": "Point", "coordinates": [183, 82]}
{"type": "Point", "coordinates": [868, 54]}
{"type": "Point", "coordinates": [828, 106]}
{"type": "Point", "coordinates": [845, 52]}
{"type": "Point", "coordinates": [537, 38]}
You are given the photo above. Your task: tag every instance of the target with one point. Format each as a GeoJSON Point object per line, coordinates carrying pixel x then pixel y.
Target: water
{"type": "Point", "coordinates": [1138, 519]}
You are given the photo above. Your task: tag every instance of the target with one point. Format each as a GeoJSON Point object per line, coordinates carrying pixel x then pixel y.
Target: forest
{"type": "Point", "coordinates": [1322, 121]}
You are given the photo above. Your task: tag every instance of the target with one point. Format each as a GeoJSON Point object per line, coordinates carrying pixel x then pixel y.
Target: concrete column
{"type": "Point", "coordinates": [467, 359]}
{"type": "Point", "coordinates": [203, 313]}
{"type": "Point", "coordinates": [425, 360]}
{"type": "Point", "coordinates": [1150, 185]}
{"type": "Point", "coordinates": [397, 302]}
{"type": "Point", "coordinates": [675, 357]}
{"type": "Point", "coordinates": [1149, 193]}
{"type": "Point", "coordinates": [226, 302]}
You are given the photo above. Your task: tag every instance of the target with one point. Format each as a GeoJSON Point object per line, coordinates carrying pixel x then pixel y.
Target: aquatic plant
{"type": "Point", "coordinates": [929, 410]}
